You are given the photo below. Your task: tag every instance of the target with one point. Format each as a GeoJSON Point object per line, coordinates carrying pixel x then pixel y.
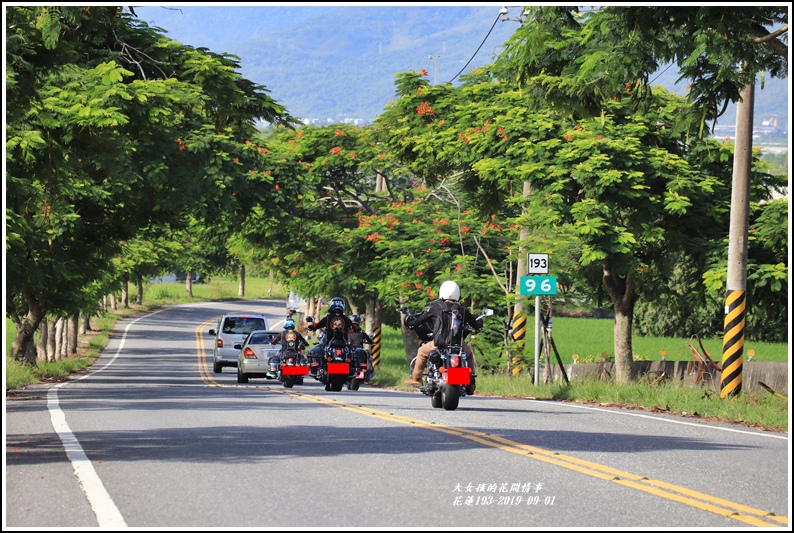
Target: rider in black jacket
{"type": "Point", "coordinates": [336, 323]}
{"type": "Point", "coordinates": [290, 339]}
{"type": "Point", "coordinates": [449, 294]}
{"type": "Point", "coordinates": [358, 338]}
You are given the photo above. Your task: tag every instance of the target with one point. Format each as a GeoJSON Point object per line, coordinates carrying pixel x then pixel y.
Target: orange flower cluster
{"type": "Point", "coordinates": [336, 150]}
{"type": "Point", "coordinates": [424, 109]}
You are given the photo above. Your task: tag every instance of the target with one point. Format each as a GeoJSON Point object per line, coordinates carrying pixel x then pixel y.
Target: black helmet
{"type": "Point", "coordinates": [337, 304]}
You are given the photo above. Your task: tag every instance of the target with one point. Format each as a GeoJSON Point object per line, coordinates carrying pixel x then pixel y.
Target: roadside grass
{"type": "Point", "coordinates": [669, 397]}
{"type": "Point", "coordinates": [570, 335]}
{"type": "Point", "coordinates": [589, 338]}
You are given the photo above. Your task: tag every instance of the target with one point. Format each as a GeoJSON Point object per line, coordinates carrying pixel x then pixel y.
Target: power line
{"type": "Point", "coordinates": [478, 49]}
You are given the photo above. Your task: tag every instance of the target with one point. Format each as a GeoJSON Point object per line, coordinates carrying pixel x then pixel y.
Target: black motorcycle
{"type": "Point", "coordinates": [448, 375]}
{"type": "Point", "coordinates": [293, 368]}
{"type": "Point", "coordinates": [337, 364]}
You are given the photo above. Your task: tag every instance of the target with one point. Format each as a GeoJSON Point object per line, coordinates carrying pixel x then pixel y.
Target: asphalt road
{"type": "Point", "coordinates": [152, 438]}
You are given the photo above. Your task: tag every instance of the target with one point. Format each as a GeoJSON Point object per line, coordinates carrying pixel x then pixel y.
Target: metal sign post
{"type": "Point", "coordinates": [537, 285]}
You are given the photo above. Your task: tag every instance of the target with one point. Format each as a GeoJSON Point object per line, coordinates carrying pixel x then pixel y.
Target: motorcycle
{"type": "Point", "coordinates": [293, 368]}
{"type": "Point", "coordinates": [448, 376]}
{"type": "Point", "coordinates": [336, 364]}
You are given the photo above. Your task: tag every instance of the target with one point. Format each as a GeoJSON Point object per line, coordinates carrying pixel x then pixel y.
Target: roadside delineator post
{"type": "Point", "coordinates": [376, 348]}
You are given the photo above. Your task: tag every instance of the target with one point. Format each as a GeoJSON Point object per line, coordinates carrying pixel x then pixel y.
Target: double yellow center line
{"type": "Point", "coordinates": [743, 513]}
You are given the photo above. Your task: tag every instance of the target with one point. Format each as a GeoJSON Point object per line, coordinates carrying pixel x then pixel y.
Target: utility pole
{"type": "Point", "coordinates": [519, 319]}
{"type": "Point", "coordinates": [435, 73]}
{"type": "Point", "coordinates": [736, 285]}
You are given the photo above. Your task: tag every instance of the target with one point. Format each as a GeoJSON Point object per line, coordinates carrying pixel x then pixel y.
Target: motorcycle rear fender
{"type": "Point", "coordinates": [458, 376]}
{"type": "Point", "coordinates": [294, 370]}
{"type": "Point", "coordinates": [338, 368]}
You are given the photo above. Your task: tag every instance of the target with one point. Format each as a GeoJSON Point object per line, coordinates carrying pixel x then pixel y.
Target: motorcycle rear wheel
{"type": "Point", "coordinates": [435, 400]}
{"type": "Point", "coordinates": [337, 382]}
{"type": "Point", "coordinates": [289, 381]}
{"type": "Point", "coordinates": [450, 396]}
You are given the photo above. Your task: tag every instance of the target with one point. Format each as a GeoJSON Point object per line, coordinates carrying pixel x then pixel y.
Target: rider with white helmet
{"type": "Point", "coordinates": [448, 295]}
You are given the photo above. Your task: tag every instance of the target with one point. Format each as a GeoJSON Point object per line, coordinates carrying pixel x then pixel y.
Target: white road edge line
{"type": "Point", "coordinates": [107, 514]}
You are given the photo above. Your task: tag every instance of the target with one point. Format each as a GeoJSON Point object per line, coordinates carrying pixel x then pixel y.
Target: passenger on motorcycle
{"type": "Point", "coordinates": [448, 296]}
{"type": "Point", "coordinates": [336, 324]}
{"type": "Point", "coordinates": [356, 335]}
{"type": "Point", "coordinates": [357, 338]}
{"type": "Point", "coordinates": [290, 339]}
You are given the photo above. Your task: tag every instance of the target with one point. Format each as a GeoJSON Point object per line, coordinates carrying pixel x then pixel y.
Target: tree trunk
{"type": "Point", "coordinates": [26, 328]}
{"type": "Point", "coordinates": [51, 340]}
{"type": "Point", "coordinates": [30, 352]}
{"type": "Point", "coordinates": [41, 345]}
{"type": "Point", "coordinates": [125, 294]}
{"type": "Point", "coordinates": [369, 324]}
{"type": "Point", "coordinates": [241, 285]}
{"type": "Point", "coordinates": [270, 287]}
{"type": "Point", "coordinates": [58, 348]}
{"type": "Point", "coordinates": [113, 304]}
{"type": "Point", "coordinates": [621, 292]}
{"type": "Point", "coordinates": [139, 298]}
{"type": "Point", "coordinates": [353, 308]}
{"type": "Point", "coordinates": [73, 334]}
{"type": "Point", "coordinates": [64, 337]}
{"type": "Point", "coordinates": [85, 323]}
{"type": "Point", "coordinates": [189, 285]}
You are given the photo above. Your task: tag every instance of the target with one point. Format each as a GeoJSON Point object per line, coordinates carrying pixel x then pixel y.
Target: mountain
{"type": "Point", "coordinates": [330, 63]}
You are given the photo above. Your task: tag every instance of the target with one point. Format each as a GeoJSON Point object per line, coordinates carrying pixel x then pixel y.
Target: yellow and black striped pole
{"type": "Point", "coordinates": [733, 344]}
{"type": "Point", "coordinates": [376, 348]}
{"type": "Point", "coordinates": [517, 334]}
{"type": "Point", "coordinates": [736, 280]}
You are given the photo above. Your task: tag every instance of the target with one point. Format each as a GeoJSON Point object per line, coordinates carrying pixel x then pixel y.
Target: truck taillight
{"type": "Point", "coordinates": [249, 353]}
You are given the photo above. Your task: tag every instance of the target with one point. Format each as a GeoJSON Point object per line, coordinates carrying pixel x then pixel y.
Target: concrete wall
{"type": "Point", "coordinates": [693, 374]}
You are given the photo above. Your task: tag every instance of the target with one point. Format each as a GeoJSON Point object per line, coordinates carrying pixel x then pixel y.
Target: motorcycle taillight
{"type": "Point", "coordinates": [338, 352]}
{"type": "Point", "coordinates": [290, 361]}
{"type": "Point", "coordinates": [454, 361]}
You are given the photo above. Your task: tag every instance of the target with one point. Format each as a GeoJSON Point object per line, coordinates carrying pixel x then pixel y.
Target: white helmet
{"type": "Point", "coordinates": [449, 291]}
